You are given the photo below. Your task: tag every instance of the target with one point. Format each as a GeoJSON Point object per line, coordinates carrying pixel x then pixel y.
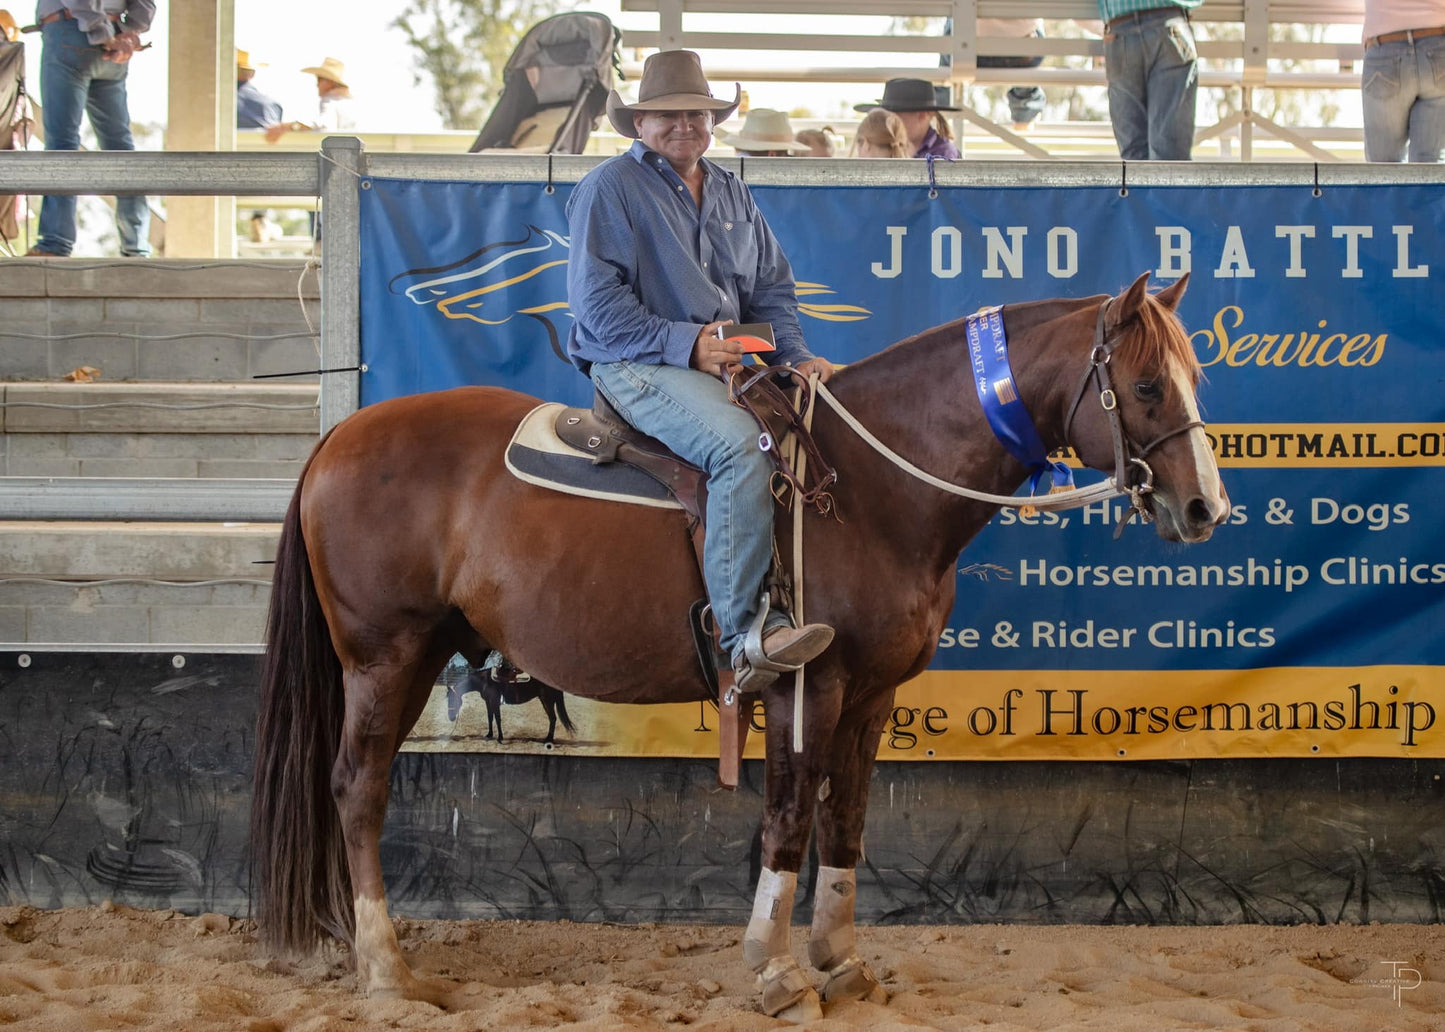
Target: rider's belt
{"type": "Point", "coordinates": [1409, 35]}
{"type": "Point", "coordinates": [1136, 16]}
{"type": "Point", "coordinates": [62, 13]}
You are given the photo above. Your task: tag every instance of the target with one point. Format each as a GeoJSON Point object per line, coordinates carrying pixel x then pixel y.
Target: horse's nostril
{"type": "Point", "coordinates": [1199, 513]}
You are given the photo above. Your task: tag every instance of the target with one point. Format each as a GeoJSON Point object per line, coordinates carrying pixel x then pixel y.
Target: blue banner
{"type": "Point", "coordinates": [1317, 319]}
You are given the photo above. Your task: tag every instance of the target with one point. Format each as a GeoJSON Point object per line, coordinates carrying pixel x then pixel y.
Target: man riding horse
{"type": "Point", "coordinates": [668, 248]}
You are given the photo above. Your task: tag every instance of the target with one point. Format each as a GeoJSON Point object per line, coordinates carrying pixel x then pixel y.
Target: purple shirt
{"type": "Point", "coordinates": [936, 146]}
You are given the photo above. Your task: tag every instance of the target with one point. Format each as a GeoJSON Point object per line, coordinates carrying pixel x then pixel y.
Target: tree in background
{"type": "Point", "coordinates": [462, 46]}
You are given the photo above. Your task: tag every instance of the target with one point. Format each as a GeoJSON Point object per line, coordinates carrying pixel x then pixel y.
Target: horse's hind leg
{"type": "Point", "coordinates": [383, 701]}
{"type": "Point", "coordinates": [832, 947]}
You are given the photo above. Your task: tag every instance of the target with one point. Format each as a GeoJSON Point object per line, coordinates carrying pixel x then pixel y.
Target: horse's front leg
{"type": "Point", "coordinates": [380, 709]}
{"type": "Point", "coordinates": [841, 811]}
{"type": "Point", "coordinates": [790, 787]}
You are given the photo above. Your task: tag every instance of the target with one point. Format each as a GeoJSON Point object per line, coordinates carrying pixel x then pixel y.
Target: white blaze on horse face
{"type": "Point", "coordinates": [834, 940]}
{"type": "Point", "coordinates": [1201, 457]}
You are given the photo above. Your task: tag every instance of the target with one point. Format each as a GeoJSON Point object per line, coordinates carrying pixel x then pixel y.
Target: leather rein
{"type": "Point", "coordinates": [753, 388]}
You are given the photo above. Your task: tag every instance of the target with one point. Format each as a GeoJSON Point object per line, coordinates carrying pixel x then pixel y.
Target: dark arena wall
{"type": "Point", "coordinates": [125, 776]}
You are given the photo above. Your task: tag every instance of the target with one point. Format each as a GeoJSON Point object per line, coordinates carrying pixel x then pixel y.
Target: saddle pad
{"type": "Point", "coordinates": [537, 455]}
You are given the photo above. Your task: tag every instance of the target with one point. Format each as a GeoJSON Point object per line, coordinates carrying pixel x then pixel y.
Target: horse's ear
{"type": "Point", "coordinates": [1128, 304]}
{"type": "Point", "coordinates": [1170, 295]}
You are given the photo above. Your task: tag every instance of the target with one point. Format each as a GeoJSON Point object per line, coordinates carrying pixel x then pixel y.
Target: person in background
{"type": "Point", "coordinates": [1025, 103]}
{"type": "Point", "coordinates": [334, 102]}
{"type": "Point", "coordinates": [919, 106]}
{"type": "Point", "coordinates": [881, 135]}
{"type": "Point", "coordinates": [254, 110]}
{"type": "Point", "coordinates": [821, 143]}
{"type": "Point", "coordinates": [86, 52]}
{"type": "Point", "coordinates": [1402, 84]}
{"type": "Point", "coordinates": [667, 249]}
{"type": "Point", "coordinates": [1152, 67]}
{"type": "Point", "coordinates": [766, 134]}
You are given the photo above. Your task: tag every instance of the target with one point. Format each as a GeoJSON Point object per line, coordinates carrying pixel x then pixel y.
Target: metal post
{"type": "Point", "coordinates": [343, 165]}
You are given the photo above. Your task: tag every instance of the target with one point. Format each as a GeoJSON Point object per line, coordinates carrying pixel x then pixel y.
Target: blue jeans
{"type": "Point", "coordinates": [75, 79]}
{"type": "Point", "coordinates": [1403, 91]}
{"type": "Point", "coordinates": [690, 412]}
{"type": "Point", "coordinates": [1150, 61]}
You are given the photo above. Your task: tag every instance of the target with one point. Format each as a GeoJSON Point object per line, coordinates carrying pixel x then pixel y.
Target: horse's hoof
{"type": "Point", "coordinates": [788, 993]}
{"type": "Point", "coordinates": [435, 993]}
{"type": "Point", "coordinates": [805, 1010]}
{"type": "Point", "coordinates": [854, 980]}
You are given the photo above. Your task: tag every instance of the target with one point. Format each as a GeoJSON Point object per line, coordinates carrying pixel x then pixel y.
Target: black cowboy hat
{"type": "Point", "coordinates": [910, 95]}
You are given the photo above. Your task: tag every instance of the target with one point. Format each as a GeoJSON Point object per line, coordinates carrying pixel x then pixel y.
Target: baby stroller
{"type": "Point", "coordinates": [555, 86]}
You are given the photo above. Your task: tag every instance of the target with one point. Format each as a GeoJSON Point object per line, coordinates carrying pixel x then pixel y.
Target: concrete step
{"type": "Point", "coordinates": [158, 319]}
{"type": "Point", "coordinates": [160, 583]}
{"type": "Point", "coordinates": [156, 429]}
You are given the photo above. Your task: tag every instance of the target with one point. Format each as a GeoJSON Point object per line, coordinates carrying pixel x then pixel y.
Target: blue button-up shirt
{"type": "Point", "coordinates": [255, 110]}
{"type": "Point", "coordinates": [649, 268]}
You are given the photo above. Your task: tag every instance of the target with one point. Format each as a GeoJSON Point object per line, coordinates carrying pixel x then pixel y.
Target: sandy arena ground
{"type": "Point", "coordinates": [113, 967]}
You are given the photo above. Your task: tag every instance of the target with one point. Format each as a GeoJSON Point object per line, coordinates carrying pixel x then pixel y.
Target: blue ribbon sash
{"type": "Point", "coordinates": [997, 393]}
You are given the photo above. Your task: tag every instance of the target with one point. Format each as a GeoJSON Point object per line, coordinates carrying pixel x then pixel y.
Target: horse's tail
{"type": "Point", "coordinates": [562, 711]}
{"type": "Point", "coordinates": [300, 879]}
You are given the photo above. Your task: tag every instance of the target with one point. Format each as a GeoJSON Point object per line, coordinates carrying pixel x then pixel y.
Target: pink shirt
{"type": "Point", "coordinates": [1382, 16]}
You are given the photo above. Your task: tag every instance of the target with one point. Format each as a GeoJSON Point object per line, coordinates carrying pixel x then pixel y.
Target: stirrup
{"type": "Point", "coordinates": [753, 670]}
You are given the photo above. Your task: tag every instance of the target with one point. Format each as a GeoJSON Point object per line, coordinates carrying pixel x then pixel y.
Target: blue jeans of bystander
{"type": "Point", "coordinates": [1151, 63]}
{"type": "Point", "coordinates": [76, 79]}
{"type": "Point", "coordinates": [1403, 86]}
{"type": "Point", "coordinates": [689, 411]}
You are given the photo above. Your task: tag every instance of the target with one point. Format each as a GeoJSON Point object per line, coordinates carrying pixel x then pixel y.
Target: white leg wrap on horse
{"type": "Point", "coordinates": [833, 940]}
{"type": "Point", "coordinates": [768, 931]}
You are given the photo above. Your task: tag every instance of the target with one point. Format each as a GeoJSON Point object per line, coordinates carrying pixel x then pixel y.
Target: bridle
{"type": "Point", "coordinates": [1132, 474]}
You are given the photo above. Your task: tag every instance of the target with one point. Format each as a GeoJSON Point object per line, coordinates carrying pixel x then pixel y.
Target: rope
{"type": "Point", "coordinates": [312, 264]}
{"type": "Point", "coordinates": [133, 580]}
{"type": "Point", "coordinates": [1073, 499]}
{"type": "Point", "coordinates": [117, 335]}
{"type": "Point", "coordinates": [161, 405]}
{"type": "Point", "coordinates": [72, 265]}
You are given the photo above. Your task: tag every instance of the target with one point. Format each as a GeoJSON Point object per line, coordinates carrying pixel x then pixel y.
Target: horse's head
{"type": "Point", "coordinates": [1144, 374]}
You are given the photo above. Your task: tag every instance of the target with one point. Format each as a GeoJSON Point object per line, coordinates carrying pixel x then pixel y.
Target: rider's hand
{"type": "Point", "coordinates": [821, 366]}
{"type": "Point", "coordinates": [713, 355]}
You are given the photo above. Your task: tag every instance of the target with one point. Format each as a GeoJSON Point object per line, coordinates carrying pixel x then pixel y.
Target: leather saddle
{"type": "Point", "coordinates": [604, 435]}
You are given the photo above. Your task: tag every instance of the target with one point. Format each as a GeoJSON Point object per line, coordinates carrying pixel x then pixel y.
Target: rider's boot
{"type": "Point", "coordinates": [773, 646]}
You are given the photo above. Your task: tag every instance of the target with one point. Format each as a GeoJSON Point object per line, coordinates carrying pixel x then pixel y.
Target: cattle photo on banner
{"type": "Point", "coordinates": [1305, 627]}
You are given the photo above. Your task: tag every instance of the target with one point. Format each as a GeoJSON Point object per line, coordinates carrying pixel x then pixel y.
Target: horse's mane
{"type": "Point", "coordinates": [1156, 339]}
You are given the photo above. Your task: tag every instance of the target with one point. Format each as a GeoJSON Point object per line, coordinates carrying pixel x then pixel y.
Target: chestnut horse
{"type": "Point", "coordinates": [407, 541]}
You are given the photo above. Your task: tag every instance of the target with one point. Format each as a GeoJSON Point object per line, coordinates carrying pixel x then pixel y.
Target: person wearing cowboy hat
{"type": "Point", "coordinates": [766, 134]}
{"type": "Point", "coordinates": [916, 102]}
{"type": "Point", "coordinates": [667, 248]}
{"type": "Point", "coordinates": [254, 109]}
{"type": "Point", "coordinates": [333, 102]}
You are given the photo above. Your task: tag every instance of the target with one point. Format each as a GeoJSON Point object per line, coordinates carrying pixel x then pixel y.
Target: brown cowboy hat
{"type": "Point", "coordinates": [672, 80]}
{"type": "Point", "coordinates": [910, 95]}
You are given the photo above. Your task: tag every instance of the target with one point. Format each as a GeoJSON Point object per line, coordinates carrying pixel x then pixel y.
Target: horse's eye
{"type": "Point", "coordinates": [1149, 390]}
